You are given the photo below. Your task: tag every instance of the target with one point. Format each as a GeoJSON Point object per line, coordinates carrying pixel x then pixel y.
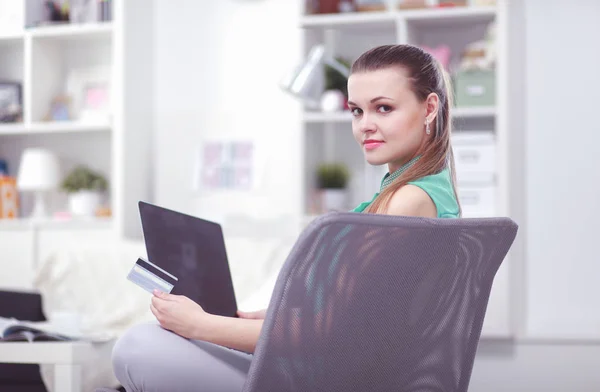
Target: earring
{"type": "Point", "coordinates": [427, 129]}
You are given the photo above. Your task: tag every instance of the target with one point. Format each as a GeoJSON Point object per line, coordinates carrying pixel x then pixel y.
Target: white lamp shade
{"type": "Point", "coordinates": [302, 81]}
{"type": "Point", "coordinates": [39, 170]}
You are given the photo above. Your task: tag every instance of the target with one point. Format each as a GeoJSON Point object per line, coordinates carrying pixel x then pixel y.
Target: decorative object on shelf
{"type": "Point", "coordinates": [346, 6]}
{"type": "Point", "coordinates": [332, 181]}
{"type": "Point", "coordinates": [335, 96]}
{"type": "Point", "coordinates": [480, 55]}
{"type": "Point", "coordinates": [11, 102]}
{"type": "Point", "coordinates": [11, 16]}
{"type": "Point", "coordinates": [303, 81]}
{"type": "Point", "coordinates": [475, 79]}
{"type": "Point", "coordinates": [333, 101]}
{"type": "Point", "coordinates": [311, 7]}
{"type": "Point", "coordinates": [85, 11]}
{"type": "Point", "coordinates": [58, 11]}
{"type": "Point", "coordinates": [328, 6]}
{"type": "Point", "coordinates": [441, 53]}
{"type": "Point", "coordinates": [3, 168]}
{"type": "Point", "coordinates": [85, 188]}
{"type": "Point", "coordinates": [104, 212]}
{"type": "Point", "coordinates": [60, 109]}
{"type": "Point", "coordinates": [90, 89]}
{"type": "Point", "coordinates": [416, 4]}
{"type": "Point", "coordinates": [370, 5]}
{"type": "Point", "coordinates": [9, 198]}
{"type": "Point", "coordinates": [455, 3]}
{"type": "Point", "coordinates": [105, 10]}
{"type": "Point", "coordinates": [475, 88]}
{"type": "Point", "coordinates": [412, 4]}
{"type": "Point", "coordinates": [39, 172]}
{"type": "Point", "coordinates": [96, 104]}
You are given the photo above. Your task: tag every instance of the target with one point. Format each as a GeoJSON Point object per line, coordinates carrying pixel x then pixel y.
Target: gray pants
{"type": "Point", "coordinates": [149, 358]}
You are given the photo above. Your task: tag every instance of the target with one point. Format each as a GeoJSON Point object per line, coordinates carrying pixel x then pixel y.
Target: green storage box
{"type": "Point", "coordinates": [475, 88]}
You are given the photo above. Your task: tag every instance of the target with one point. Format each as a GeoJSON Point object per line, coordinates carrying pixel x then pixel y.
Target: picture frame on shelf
{"type": "Point", "coordinates": [226, 165]}
{"type": "Point", "coordinates": [90, 90]}
{"type": "Point", "coordinates": [96, 103]}
{"type": "Point", "coordinates": [11, 102]}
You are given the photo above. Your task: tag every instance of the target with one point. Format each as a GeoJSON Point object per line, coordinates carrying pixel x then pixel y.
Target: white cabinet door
{"type": "Point", "coordinates": [16, 259]}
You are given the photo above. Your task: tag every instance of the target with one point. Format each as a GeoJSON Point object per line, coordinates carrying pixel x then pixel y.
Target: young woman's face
{"type": "Point", "coordinates": [388, 119]}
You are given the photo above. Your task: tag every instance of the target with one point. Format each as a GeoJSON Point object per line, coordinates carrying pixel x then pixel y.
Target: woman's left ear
{"type": "Point", "coordinates": [432, 105]}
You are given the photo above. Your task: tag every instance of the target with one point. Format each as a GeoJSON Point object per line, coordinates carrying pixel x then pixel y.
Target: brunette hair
{"type": "Point", "coordinates": [426, 76]}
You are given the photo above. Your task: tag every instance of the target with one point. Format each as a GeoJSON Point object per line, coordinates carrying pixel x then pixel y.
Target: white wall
{"type": "Point", "coordinates": [217, 71]}
{"type": "Point", "coordinates": [562, 186]}
{"type": "Point", "coordinates": [503, 367]}
{"type": "Point", "coordinates": [204, 54]}
{"type": "Point", "coordinates": [563, 172]}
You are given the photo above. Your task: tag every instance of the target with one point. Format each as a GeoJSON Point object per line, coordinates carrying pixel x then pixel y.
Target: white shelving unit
{"type": "Point", "coordinates": [378, 19]}
{"type": "Point", "coordinates": [44, 61]}
{"type": "Point", "coordinates": [328, 136]}
{"type": "Point", "coordinates": [73, 31]}
{"type": "Point", "coordinates": [53, 127]}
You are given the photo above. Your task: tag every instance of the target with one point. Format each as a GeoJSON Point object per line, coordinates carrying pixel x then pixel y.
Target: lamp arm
{"type": "Point", "coordinates": [341, 68]}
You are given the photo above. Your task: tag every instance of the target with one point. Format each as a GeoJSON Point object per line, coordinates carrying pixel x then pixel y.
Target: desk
{"type": "Point", "coordinates": [66, 357]}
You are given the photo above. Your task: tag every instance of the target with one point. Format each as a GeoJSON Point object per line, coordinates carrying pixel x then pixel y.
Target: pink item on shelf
{"type": "Point", "coordinates": [63, 216]}
{"type": "Point", "coordinates": [441, 53]}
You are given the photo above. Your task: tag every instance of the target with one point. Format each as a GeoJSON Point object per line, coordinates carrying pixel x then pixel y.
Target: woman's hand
{"type": "Point", "coordinates": [179, 314]}
{"type": "Point", "coordinates": [257, 315]}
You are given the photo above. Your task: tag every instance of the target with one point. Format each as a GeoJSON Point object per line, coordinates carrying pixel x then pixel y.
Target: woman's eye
{"type": "Point", "coordinates": [384, 109]}
{"type": "Point", "coordinates": [356, 112]}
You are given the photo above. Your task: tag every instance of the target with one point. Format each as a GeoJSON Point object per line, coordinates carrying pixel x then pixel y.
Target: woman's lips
{"type": "Point", "coordinates": [372, 144]}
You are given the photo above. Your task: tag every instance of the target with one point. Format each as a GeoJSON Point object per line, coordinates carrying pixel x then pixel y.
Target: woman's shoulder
{"type": "Point", "coordinates": [441, 191]}
{"type": "Point", "coordinates": [411, 200]}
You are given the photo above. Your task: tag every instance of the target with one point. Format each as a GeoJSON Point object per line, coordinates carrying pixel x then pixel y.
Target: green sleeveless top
{"type": "Point", "coordinates": [437, 186]}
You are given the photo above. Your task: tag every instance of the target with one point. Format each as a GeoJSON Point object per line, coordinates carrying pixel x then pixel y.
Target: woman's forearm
{"type": "Point", "coordinates": [237, 333]}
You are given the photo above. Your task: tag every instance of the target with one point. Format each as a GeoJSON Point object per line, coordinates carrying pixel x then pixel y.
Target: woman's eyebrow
{"type": "Point", "coordinates": [379, 98]}
{"type": "Point", "coordinates": [373, 100]}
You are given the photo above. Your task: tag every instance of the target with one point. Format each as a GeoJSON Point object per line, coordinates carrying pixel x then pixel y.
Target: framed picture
{"type": "Point", "coordinates": [95, 103]}
{"type": "Point", "coordinates": [226, 165]}
{"type": "Point", "coordinates": [90, 91]}
{"type": "Point", "coordinates": [10, 102]}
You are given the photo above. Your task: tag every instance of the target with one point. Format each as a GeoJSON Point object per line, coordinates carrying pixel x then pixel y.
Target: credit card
{"type": "Point", "coordinates": [151, 277]}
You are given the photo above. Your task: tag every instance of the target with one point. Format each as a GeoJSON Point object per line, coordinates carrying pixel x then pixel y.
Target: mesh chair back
{"type": "Point", "coordinates": [370, 302]}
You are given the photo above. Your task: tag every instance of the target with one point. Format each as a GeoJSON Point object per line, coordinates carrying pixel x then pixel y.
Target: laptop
{"type": "Point", "coordinates": [193, 250]}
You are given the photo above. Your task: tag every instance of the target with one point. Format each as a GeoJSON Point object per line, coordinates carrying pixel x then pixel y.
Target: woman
{"type": "Point", "coordinates": [400, 103]}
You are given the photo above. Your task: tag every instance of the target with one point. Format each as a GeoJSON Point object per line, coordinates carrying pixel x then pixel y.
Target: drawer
{"type": "Point", "coordinates": [475, 88]}
{"type": "Point", "coordinates": [477, 202]}
{"type": "Point", "coordinates": [475, 158]}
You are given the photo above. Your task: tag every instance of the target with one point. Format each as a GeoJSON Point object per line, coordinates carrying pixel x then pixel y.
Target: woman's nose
{"type": "Point", "coordinates": [366, 124]}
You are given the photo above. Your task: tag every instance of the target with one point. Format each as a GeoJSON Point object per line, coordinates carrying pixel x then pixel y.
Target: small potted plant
{"type": "Point", "coordinates": [332, 181]}
{"type": "Point", "coordinates": [85, 188]}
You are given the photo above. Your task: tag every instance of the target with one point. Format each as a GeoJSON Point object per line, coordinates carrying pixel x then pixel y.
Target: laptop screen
{"type": "Point", "coordinates": [193, 250]}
